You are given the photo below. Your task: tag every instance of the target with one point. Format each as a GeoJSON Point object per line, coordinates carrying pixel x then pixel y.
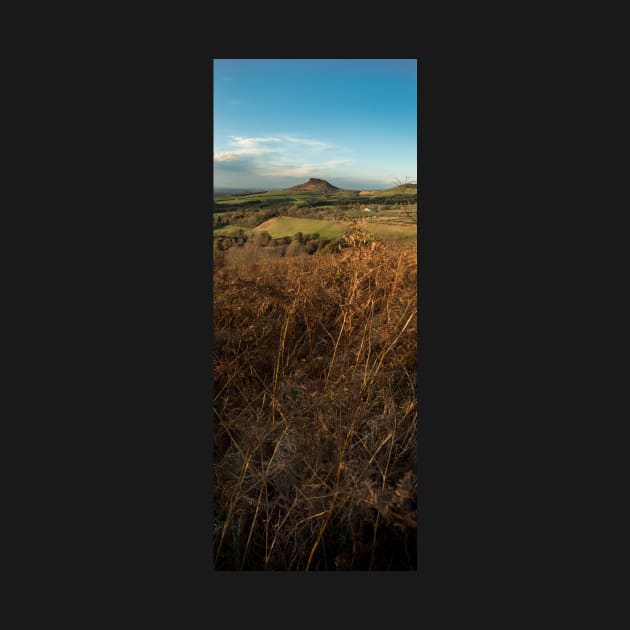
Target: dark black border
{"type": "Point", "coordinates": [517, 261]}
{"type": "Point", "coordinates": [139, 318]}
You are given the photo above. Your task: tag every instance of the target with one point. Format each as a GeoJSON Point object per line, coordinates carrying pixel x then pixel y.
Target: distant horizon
{"type": "Point", "coordinates": [265, 189]}
{"type": "Point", "coordinates": [279, 122]}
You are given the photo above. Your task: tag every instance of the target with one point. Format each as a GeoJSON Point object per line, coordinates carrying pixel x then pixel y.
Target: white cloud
{"type": "Point", "coordinates": [247, 143]}
{"type": "Point", "coordinates": [314, 144]}
{"type": "Point", "coordinates": [304, 170]}
{"type": "Point", "coordinates": [225, 156]}
{"type": "Point", "coordinates": [246, 147]}
{"type": "Point", "coordinates": [276, 156]}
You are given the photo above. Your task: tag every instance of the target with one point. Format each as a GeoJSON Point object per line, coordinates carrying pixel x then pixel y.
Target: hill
{"type": "Point", "coordinates": [315, 185]}
{"type": "Point", "coordinates": [403, 189]}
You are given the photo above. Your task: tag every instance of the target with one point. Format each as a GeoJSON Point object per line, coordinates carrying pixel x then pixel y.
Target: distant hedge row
{"type": "Point", "coordinates": [244, 219]}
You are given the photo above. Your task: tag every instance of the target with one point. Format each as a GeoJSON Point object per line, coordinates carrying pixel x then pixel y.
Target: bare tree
{"type": "Point", "coordinates": [405, 182]}
{"type": "Point", "coordinates": [407, 206]}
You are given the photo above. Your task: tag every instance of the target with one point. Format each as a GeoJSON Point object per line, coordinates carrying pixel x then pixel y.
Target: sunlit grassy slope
{"type": "Point", "coordinates": [288, 226]}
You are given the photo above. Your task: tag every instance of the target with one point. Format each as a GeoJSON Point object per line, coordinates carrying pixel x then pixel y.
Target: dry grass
{"type": "Point", "coordinates": [315, 411]}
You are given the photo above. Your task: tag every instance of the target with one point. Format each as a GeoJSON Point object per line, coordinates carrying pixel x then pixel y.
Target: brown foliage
{"type": "Point", "coordinates": [315, 411]}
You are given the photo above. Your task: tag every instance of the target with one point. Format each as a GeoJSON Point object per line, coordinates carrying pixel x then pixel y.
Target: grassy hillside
{"type": "Point", "coordinates": [288, 226]}
{"type": "Point", "coordinates": [315, 411]}
{"type": "Point", "coordinates": [408, 190]}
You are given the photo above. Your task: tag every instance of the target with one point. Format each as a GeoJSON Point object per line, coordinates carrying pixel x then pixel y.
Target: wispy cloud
{"type": "Point", "coordinates": [305, 170]}
{"type": "Point", "coordinates": [235, 162]}
{"type": "Point", "coordinates": [277, 156]}
{"type": "Point", "coordinates": [313, 144]}
{"type": "Point", "coordinates": [227, 156]}
{"type": "Point", "coordinates": [252, 143]}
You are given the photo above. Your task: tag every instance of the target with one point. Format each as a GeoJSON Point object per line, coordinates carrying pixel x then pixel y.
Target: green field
{"type": "Point", "coordinates": [274, 197]}
{"type": "Point", "coordinates": [328, 213]}
{"type": "Point", "coordinates": [410, 190]}
{"type": "Point", "coordinates": [288, 226]}
{"type": "Point", "coordinates": [306, 198]}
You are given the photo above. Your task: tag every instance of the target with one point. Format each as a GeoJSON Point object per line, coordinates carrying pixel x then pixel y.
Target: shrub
{"type": "Point", "coordinates": [311, 247]}
{"type": "Point", "coordinates": [295, 248]}
{"type": "Point", "coordinates": [262, 238]}
{"type": "Point", "coordinates": [332, 246]}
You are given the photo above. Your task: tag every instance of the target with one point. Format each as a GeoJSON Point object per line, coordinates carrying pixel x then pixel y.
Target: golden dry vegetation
{"type": "Point", "coordinates": [315, 410]}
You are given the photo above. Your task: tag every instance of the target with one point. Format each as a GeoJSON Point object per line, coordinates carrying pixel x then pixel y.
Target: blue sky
{"type": "Point", "coordinates": [278, 122]}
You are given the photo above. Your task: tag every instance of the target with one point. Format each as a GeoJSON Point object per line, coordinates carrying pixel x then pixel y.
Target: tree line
{"type": "Point", "coordinates": [240, 246]}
